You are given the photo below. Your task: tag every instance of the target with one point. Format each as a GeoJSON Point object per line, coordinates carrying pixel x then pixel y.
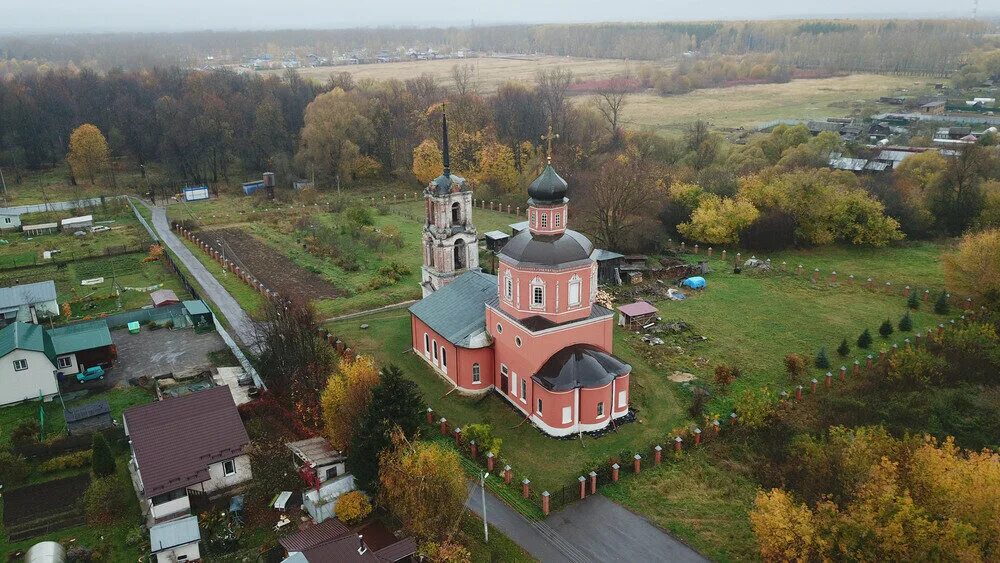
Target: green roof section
{"type": "Point", "coordinates": [197, 307]}
{"type": "Point", "coordinates": [80, 336]}
{"type": "Point", "coordinates": [25, 336]}
{"type": "Point", "coordinates": [458, 310]}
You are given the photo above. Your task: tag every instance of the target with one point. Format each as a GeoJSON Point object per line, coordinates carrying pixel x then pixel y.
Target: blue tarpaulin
{"type": "Point", "coordinates": [694, 282]}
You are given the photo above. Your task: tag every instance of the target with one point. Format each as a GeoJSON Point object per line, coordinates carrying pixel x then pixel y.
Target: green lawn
{"type": "Point", "coordinates": [499, 548]}
{"type": "Point", "coordinates": [547, 462]}
{"type": "Point", "coordinates": [753, 321]}
{"type": "Point", "coordinates": [697, 500]}
{"type": "Point", "coordinates": [119, 398]}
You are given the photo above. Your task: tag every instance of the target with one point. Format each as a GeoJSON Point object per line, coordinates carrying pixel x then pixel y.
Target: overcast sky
{"type": "Point", "coordinates": [30, 16]}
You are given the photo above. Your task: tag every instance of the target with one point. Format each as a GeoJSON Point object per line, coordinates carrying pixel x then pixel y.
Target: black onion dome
{"type": "Point", "coordinates": [580, 365]}
{"type": "Point", "coordinates": [548, 188]}
{"type": "Point", "coordinates": [548, 250]}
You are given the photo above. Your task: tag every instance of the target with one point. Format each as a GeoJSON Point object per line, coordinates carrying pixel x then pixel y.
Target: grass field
{"type": "Point", "coordinates": [747, 106]}
{"type": "Point", "coordinates": [490, 72]}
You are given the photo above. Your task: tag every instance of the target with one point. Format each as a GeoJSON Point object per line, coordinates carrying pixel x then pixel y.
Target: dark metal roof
{"type": "Point", "coordinates": [549, 187]}
{"type": "Point", "coordinates": [548, 250]}
{"type": "Point", "coordinates": [457, 311]}
{"type": "Point", "coordinates": [87, 410]}
{"type": "Point", "coordinates": [444, 184]}
{"type": "Point", "coordinates": [580, 365]}
{"type": "Point", "coordinates": [175, 440]}
{"type": "Point", "coordinates": [329, 529]}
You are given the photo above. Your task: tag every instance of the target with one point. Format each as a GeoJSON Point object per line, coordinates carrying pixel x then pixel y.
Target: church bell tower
{"type": "Point", "coordinates": [450, 241]}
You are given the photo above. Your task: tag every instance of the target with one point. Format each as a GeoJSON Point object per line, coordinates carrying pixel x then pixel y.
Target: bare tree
{"type": "Point", "coordinates": [464, 78]}
{"type": "Point", "coordinates": [553, 85]}
{"type": "Point", "coordinates": [624, 200]}
{"type": "Point", "coordinates": [610, 101]}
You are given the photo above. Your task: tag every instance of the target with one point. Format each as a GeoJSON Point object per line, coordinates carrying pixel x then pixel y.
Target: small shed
{"type": "Point", "coordinates": [516, 228]}
{"type": "Point", "coordinates": [199, 312]}
{"type": "Point", "coordinates": [9, 221]}
{"type": "Point", "coordinates": [195, 193]}
{"type": "Point", "coordinates": [495, 240]}
{"type": "Point", "coordinates": [88, 418]}
{"type": "Point", "coordinates": [176, 540]}
{"type": "Point", "coordinates": [77, 223]}
{"type": "Point", "coordinates": [608, 263]}
{"type": "Point", "coordinates": [40, 229]}
{"type": "Point", "coordinates": [164, 297]}
{"type": "Point", "coordinates": [636, 315]}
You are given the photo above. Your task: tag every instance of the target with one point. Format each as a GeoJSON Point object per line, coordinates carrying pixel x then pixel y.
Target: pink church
{"type": "Point", "coordinates": [533, 333]}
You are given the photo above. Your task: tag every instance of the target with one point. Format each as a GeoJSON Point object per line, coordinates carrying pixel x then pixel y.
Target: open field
{"type": "Point", "coordinates": [548, 463]}
{"type": "Point", "coordinates": [490, 71]}
{"type": "Point", "coordinates": [748, 106]}
{"type": "Point", "coordinates": [753, 321]}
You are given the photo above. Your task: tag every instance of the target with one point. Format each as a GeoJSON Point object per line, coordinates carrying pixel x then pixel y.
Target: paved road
{"type": "Point", "coordinates": [228, 306]}
{"type": "Point", "coordinates": [592, 530]}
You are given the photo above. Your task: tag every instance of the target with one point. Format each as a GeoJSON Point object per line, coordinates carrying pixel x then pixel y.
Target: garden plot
{"type": "Point", "coordinates": [268, 265]}
{"type": "Point", "coordinates": [44, 507]}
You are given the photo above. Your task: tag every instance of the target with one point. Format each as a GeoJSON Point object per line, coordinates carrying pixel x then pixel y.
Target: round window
{"type": "Point", "coordinates": [517, 340]}
{"type": "Point", "coordinates": [499, 328]}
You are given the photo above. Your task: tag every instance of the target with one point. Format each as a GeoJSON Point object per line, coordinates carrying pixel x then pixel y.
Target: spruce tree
{"type": "Point", "coordinates": [886, 329]}
{"type": "Point", "coordinates": [865, 340]}
{"type": "Point", "coordinates": [913, 302]}
{"type": "Point", "coordinates": [844, 349]}
{"type": "Point", "coordinates": [905, 323]}
{"type": "Point", "coordinates": [822, 362]}
{"type": "Point", "coordinates": [941, 305]}
{"type": "Point", "coordinates": [102, 461]}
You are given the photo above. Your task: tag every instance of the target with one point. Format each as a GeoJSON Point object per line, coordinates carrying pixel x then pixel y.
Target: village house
{"type": "Point", "coordinates": [333, 541]}
{"type": "Point", "coordinates": [324, 472]}
{"type": "Point", "coordinates": [533, 333]}
{"type": "Point", "coordinates": [189, 446]}
{"type": "Point", "coordinates": [33, 358]}
{"type": "Point", "coordinates": [28, 302]}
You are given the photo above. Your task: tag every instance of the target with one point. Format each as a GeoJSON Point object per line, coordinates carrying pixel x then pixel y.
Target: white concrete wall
{"type": "Point", "coordinates": [188, 552]}
{"type": "Point", "coordinates": [321, 505]}
{"type": "Point", "coordinates": [218, 480]}
{"type": "Point", "coordinates": [73, 367]}
{"type": "Point", "coordinates": [17, 386]}
{"type": "Point", "coordinates": [176, 506]}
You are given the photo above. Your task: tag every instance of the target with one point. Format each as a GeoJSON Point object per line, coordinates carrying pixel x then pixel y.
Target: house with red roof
{"type": "Point", "coordinates": [194, 444]}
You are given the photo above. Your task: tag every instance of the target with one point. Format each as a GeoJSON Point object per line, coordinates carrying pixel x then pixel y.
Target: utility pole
{"type": "Point", "coordinates": [482, 490]}
{"type": "Point", "coordinates": [4, 184]}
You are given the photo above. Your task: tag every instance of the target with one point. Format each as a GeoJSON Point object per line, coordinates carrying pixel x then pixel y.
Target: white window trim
{"type": "Point", "coordinates": [476, 373]}
{"type": "Point", "coordinates": [444, 358]}
{"type": "Point", "coordinates": [543, 221]}
{"type": "Point", "coordinates": [435, 347]}
{"type": "Point", "coordinates": [23, 363]}
{"type": "Point", "coordinates": [567, 415]}
{"type": "Point", "coordinates": [499, 328]}
{"type": "Point", "coordinates": [577, 283]}
{"type": "Point", "coordinates": [524, 390]}
{"type": "Point", "coordinates": [64, 362]}
{"type": "Point", "coordinates": [508, 286]}
{"type": "Point", "coordinates": [557, 220]}
{"type": "Point", "coordinates": [538, 405]}
{"type": "Point", "coordinates": [600, 409]}
{"type": "Point", "coordinates": [504, 370]}
{"type": "Point", "coordinates": [427, 344]}
{"type": "Point", "coordinates": [517, 341]}
{"type": "Point", "coordinates": [537, 283]}
{"type": "Point", "coordinates": [226, 472]}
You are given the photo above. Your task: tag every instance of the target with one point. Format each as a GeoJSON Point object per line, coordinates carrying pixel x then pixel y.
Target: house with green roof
{"type": "Point", "coordinates": [32, 357]}
{"type": "Point", "coordinates": [27, 364]}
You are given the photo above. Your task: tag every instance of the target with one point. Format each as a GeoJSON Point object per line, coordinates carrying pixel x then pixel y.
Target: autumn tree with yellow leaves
{"type": "Point", "coordinates": [423, 485]}
{"type": "Point", "coordinates": [346, 396]}
{"type": "Point", "coordinates": [88, 152]}
{"type": "Point", "coordinates": [974, 267]}
{"type": "Point", "coordinates": [427, 161]}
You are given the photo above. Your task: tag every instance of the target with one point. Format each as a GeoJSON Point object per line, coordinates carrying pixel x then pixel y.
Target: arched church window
{"type": "Point", "coordinates": [544, 220]}
{"type": "Point", "coordinates": [475, 373]}
{"type": "Point", "coordinates": [575, 283]}
{"type": "Point", "coordinates": [557, 219]}
{"type": "Point", "coordinates": [460, 254]}
{"type": "Point", "coordinates": [537, 293]}
{"type": "Point", "coordinates": [508, 286]}
{"type": "Point", "coordinates": [456, 213]}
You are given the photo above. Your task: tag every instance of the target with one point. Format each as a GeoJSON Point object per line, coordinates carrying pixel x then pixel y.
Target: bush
{"type": "Point", "coordinates": [445, 552]}
{"type": "Point", "coordinates": [352, 507]}
{"type": "Point", "coordinates": [725, 375]}
{"type": "Point", "coordinates": [865, 340]}
{"type": "Point", "coordinates": [74, 460]}
{"type": "Point", "coordinates": [795, 365]}
{"type": "Point", "coordinates": [25, 435]}
{"type": "Point", "coordinates": [822, 361]}
{"type": "Point", "coordinates": [754, 407]}
{"type": "Point", "coordinates": [14, 469]}
{"type": "Point", "coordinates": [105, 500]}
{"type": "Point", "coordinates": [913, 301]}
{"type": "Point", "coordinates": [886, 329]}
{"type": "Point", "coordinates": [359, 215]}
{"type": "Point", "coordinates": [79, 554]}
{"type": "Point", "coordinates": [941, 306]}
{"type": "Point", "coordinates": [102, 460]}
{"type": "Point", "coordinates": [905, 323]}
{"type": "Point", "coordinates": [482, 433]}
{"type": "Point", "coordinates": [844, 349]}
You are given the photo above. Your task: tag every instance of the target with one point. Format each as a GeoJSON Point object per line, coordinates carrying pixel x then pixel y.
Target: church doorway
{"type": "Point", "coordinates": [460, 254]}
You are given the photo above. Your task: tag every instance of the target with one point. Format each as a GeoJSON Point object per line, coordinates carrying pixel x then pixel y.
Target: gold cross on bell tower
{"type": "Point", "coordinates": [549, 138]}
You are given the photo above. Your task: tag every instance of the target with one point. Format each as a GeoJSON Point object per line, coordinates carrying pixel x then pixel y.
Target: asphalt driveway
{"type": "Point", "coordinates": [153, 353]}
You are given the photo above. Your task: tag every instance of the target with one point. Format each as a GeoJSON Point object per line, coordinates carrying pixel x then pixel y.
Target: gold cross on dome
{"type": "Point", "coordinates": [549, 138]}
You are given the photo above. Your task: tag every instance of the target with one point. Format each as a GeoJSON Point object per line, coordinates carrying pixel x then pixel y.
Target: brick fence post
{"type": "Point", "coordinates": [593, 482]}
{"type": "Point", "coordinates": [526, 488]}
{"type": "Point", "coordinates": [829, 378]}
{"type": "Point", "coordinates": [857, 368]}
{"type": "Point", "coordinates": [583, 486]}
{"type": "Point", "coordinates": [798, 393]}
{"type": "Point", "coordinates": [489, 461]}
{"type": "Point", "coordinates": [814, 383]}
{"type": "Point", "coordinates": [444, 426]}
{"type": "Point", "coordinates": [657, 455]}
{"type": "Point", "coordinates": [430, 415]}
{"type": "Point", "coordinates": [507, 475]}
{"type": "Point", "coordinates": [458, 436]}
{"type": "Point", "coordinates": [614, 472]}
{"type": "Point", "coordinates": [545, 503]}
{"type": "Point", "coordinates": [843, 373]}
{"type": "Point", "coordinates": [697, 436]}
{"type": "Point", "coordinates": [474, 449]}
{"type": "Point", "coordinates": [677, 443]}
{"type": "Point", "coordinates": [637, 463]}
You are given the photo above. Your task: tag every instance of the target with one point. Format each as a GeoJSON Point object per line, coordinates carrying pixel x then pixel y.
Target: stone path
{"type": "Point", "coordinates": [592, 530]}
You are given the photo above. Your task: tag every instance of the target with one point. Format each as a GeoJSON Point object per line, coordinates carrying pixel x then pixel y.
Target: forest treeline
{"type": "Point", "coordinates": [892, 46]}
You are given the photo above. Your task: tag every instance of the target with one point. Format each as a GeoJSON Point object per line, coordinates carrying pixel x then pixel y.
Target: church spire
{"type": "Point", "coordinates": [445, 156]}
